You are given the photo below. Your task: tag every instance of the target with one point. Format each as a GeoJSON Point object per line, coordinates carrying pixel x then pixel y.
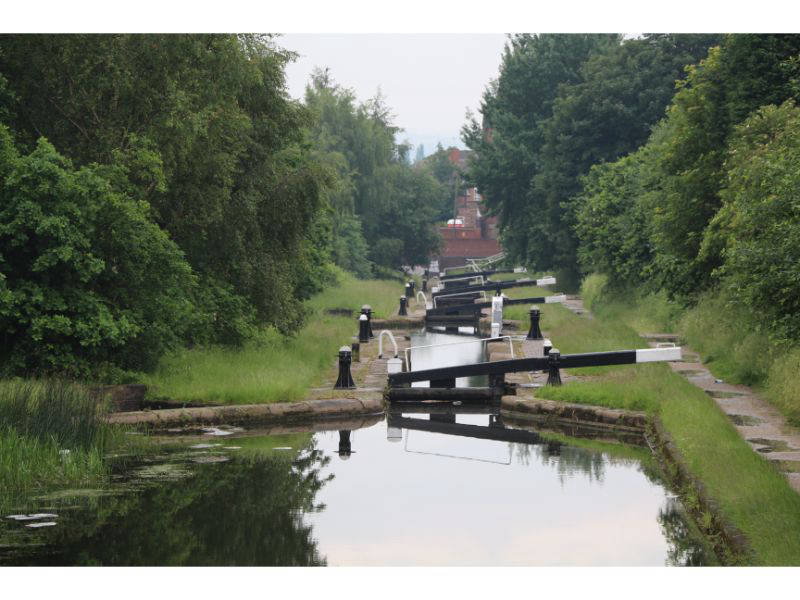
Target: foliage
{"type": "Point", "coordinates": [745, 72]}
{"type": "Point", "coordinates": [563, 103]}
{"type": "Point", "coordinates": [376, 190]}
{"type": "Point", "coordinates": [758, 226]}
{"type": "Point", "coordinates": [85, 277]}
{"type": "Point", "coordinates": [450, 178]}
{"type": "Point", "coordinates": [200, 127]}
{"type": "Point", "coordinates": [508, 143]}
{"type": "Point", "coordinates": [612, 225]}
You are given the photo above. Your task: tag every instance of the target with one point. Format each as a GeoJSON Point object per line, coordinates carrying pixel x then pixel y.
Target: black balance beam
{"type": "Point", "coordinates": [476, 274]}
{"type": "Point", "coordinates": [499, 434]}
{"type": "Point", "coordinates": [476, 306]}
{"type": "Point", "coordinates": [565, 361]}
{"type": "Point", "coordinates": [497, 285]}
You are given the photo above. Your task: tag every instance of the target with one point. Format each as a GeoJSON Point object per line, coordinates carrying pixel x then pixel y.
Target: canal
{"type": "Point", "coordinates": [456, 486]}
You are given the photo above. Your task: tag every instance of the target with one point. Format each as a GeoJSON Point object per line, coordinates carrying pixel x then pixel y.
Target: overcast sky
{"type": "Point", "coordinates": [429, 80]}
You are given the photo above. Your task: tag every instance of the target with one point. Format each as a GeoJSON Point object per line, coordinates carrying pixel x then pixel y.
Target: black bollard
{"type": "Point", "coordinates": [424, 285]}
{"type": "Point", "coordinates": [403, 312]}
{"type": "Point", "coordinates": [367, 310]}
{"type": "Point", "coordinates": [553, 373]}
{"type": "Point", "coordinates": [548, 345]}
{"type": "Point", "coordinates": [345, 447]}
{"type": "Point", "coordinates": [534, 333]}
{"type": "Point", "coordinates": [363, 329]}
{"type": "Point", "coordinates": [345, 380]}
{"type": "Point", "coordinates": [409, 291]}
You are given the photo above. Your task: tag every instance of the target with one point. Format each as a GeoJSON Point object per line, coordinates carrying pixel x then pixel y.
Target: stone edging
{"type": "Point", "coordinates": [549, 410]}
{"type": "Point", "coordinates": [730, 543]}
{"type": "Point", "coordinates": [251, 413]}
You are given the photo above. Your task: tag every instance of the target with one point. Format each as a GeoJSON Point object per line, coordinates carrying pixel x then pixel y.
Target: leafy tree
{"type": "Point", "coordinates": [745, 72]}
{"type": "Point", "coordinates": [450, 178]}
{"type": "Point", "coordinates": [231, 179]}
{"type": "Point", "coordinates": [375, 187]}
{"type": "Point", "coordinates": [622, 93]}
{"type": "Point", "coordinates": [612, 226]}
{"type": "Point", "coordinates": [86, 279]}
{"type": "Point", "coordinates": [509, 141]}
{"type": "Point", "coordinates": [757, 230]}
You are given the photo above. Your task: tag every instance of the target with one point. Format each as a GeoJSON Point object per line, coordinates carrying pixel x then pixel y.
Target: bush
{"type": "Point", "coordinates": [758, 226]}
{"type": "Point", "coordinates": [86, 279]}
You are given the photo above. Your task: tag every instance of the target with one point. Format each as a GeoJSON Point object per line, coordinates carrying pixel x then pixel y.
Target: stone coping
{"type": "Point", "coordinates": [598, 416]}
{"type": "Point", "coordinates": [358, 404]}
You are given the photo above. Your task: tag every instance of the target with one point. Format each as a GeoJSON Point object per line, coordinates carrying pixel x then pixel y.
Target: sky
{"type": "Point", "coordinates": [429, 80]}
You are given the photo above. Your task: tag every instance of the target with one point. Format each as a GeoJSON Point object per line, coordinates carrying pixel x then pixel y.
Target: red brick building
{"type": "Point", "coordinates": [472, 235]}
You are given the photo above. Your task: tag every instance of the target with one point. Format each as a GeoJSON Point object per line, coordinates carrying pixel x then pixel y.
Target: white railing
{"type": "Point", "coordinates": [424, 299]}
{"type": "Point", "coordinates": [380, 343]}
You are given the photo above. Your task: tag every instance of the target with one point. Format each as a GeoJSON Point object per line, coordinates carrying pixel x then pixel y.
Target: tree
{"type": "Point", "coordinates": [87, 281]}
{"type": "Point", "coordinates": [509, 140]}
{"type": "Point", "coordinates": [743, 73]}
{"type": "Point", "coordinates": [623, 92]}
{"type": "Point", "coordinates": [231, 178]}
{"type": "Point", "coordinates": [757, 229]}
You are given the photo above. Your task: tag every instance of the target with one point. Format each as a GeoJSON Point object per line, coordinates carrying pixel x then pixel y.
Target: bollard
{"type": "Point", "coordinates": [553, 373]}
{"type": "Point", "coordinates": [356, 349]}
{"type": "Point", "coordinates": [413, 286]}
{"type": "Point", "coordinates": [403, 312]}
{"type": "Point", "coordinates": [534, 333]}
{"type": "Point", "coordinates": [367, 310]}
{"type": "Point", "coordinates": [548, 345]}
{"type": "Point", "coordinates": [345, 380]}
{"type": "Point", "coordinates": [345, 447]}
{"type": "Point", "coordinates": [363, 329]}
{"type": "Point", "coordinates": [408, 290]}
{"type": "Point", "coordinates": [424, 285]}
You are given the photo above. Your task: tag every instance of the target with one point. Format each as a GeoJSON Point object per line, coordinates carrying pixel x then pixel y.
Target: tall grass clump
{"type": "Point", "coordinates": [52, 410]}
{"type": "Point", "coordinates": [729, 339]}
{"type": "Point", "coordinates": [50, 436]}
{"type": "Point", "coordinates": [783, 385]}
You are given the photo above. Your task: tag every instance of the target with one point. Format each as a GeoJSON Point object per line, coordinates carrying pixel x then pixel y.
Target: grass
{"type": "Point", "coordinates": [751, 494]}
{"type": "Point", "coordinates": [278, 369]}
{"type": "Point", "coordinates": [50, 436]}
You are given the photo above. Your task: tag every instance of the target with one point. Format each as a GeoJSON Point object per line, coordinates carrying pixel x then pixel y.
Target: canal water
{"type": "Point", "coordinates": [449, 487]}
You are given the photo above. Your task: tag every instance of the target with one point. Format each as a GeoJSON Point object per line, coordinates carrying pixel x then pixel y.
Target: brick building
{"type": "Point", "coordinates": [472, 235]}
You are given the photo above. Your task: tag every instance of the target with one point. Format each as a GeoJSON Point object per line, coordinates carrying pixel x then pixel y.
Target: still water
{"type": "Point", "coordinates": [448, 488]}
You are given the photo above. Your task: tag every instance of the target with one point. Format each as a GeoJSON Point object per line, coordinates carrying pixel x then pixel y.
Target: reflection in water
{"type": "Point", "coordinates": [684, 549]}
{"type": "Point", "coordinates": [460, 489]}
{"type": "Point", "coordinates": [249, 511]}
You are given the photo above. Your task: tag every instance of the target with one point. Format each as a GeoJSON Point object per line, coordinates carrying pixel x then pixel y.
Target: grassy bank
{"type": "Point", "coordinates": [730, 340]}
{"type": "Point", "coordinates": [751, 494]}
{"type": "Point", "coordinates": [277, 368]}
{"type": "Point", "coordinates": [50, 436]}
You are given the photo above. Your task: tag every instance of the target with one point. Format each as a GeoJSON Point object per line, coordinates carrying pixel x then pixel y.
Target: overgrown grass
{"type": "Point", "coordinates": [50, 436]}
{"type": "Point", "coordinates": [52, 410]}
{"type": "Point", "coordinates": [754, 496]}
{"type": "Point", "coordinates": [278, 368]}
